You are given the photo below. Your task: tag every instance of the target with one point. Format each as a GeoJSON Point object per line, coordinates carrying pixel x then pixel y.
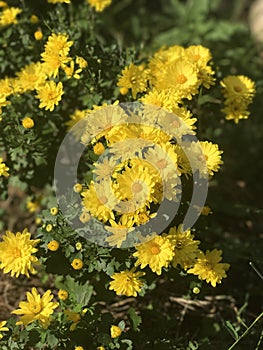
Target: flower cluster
{"type": "Point", "coordinates": [238, 91]}
{"type": "Point", "coordinates": [41, 76]}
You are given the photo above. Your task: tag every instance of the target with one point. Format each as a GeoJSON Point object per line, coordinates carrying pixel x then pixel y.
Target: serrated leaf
{"type": "Point", "coordinates": [135, 319]}
{"type": "Point", "coordinates": [52, 340]}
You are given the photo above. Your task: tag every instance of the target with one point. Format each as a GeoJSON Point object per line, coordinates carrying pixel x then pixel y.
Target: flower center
{"type": "Point", "coordinates": [237, 88]}
{"type": "Point", "coordinates": [136, 187]}
{"type": "Point", "coordinates": [181, 79]}
{"type": "Point", "coordinates": [179, 244]}
{"type": "Point", "coordinates": [162, 163]}
{"type": "Point", "coordinates": [175, 124]}
{"type": "Point", "coordinates": [133, 80]}
{"type": "Point", "coordinates": [35, 308]}
{"type": "Point", "coordinates": [155, 249]}
{"type": "Point", "coordinates": [17, 253]}
{"type": "Point", "coordinates": [196, 57]}
{"type": "Point", "coordinates": [103, 199]}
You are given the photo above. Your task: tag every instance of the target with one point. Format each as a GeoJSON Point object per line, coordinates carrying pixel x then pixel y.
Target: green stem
{"type": "Point", "coordinates": [256, 270]}
{"type": "Point", "coordinates": [246, 332]}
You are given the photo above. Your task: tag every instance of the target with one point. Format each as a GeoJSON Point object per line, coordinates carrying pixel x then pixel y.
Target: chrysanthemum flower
{"type": "Point", "coordinates": [58, 1]}
{"type": "Point", "coordinates": [3, 168]}
{"type": "Point", "coordinates": [209, 268]}
{"type": "Point", "coordinates": [16, 253]}
{"type": "Point", "coordinates": [236, 111]}
{"type": "Point", "coordinates": [136, 185]}
{"type": "Point", "coordinates": [56, 53]}
{"type": "Point", "coordinates": [30, 77]}
{"type": "Point", "coordinates": [238, 88]}
{"type": "Point", "coordinates": [99, 5]}
{"type": "Point", "coordinates": [63, 294]}
{"type": "Point", "coordinates": [127, 282]}
{"type": "Point", "coordinates": [8, 16]}
{"type": "Point", "coordinates": [180, 75]}
{"type": "Point", "coordinates": [28, 123]}
{"type": "Point", "coordinates": [118, 232]}
{"type": "Point", "coordinates": [157, 253]}
{"type": "Point", "coordinates": [134, 78]}
{"type": "Point", "coordinates": [100, 204]}
{"type": "Point", "coordinates": [53, 245]}
{"type": "Point", "coordinates": [3, 328]}
{"type": "Point", "coordinates": [161, 59]}
{"type": "Point", "coordinates": [77, 264]}
{"type": "Point", "coordinates": [104, 169]}
{"type": "Point", "coordinates": [212, 156]}
{"type": "Point", "coordinates": [36, 308]}
{"type": "Point", "coordinates": [185, 247]}
{"type": "Point", "coordinates": [200, 56]}
{"type": "Point", "coordinates": [115, 331]}
{"type": "Point", "coordinates": [49, 95]}
{"type": "Point", "coordinates": [102, 119]}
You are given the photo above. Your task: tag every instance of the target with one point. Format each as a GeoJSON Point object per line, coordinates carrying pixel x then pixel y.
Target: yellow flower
{"type": "Point", "coordinates": [99, 5]}
{"type": "Point", "coordinates": [157, 253]}
{"type": "Point", "coordinates": [3, 168]}
{"type": "Point", "coordinates": [63, 294]}
{"type": "Point", "coordinates": [98, 148]}
{"type": "Point", "coordinates": [38, 35]}
{"type": "Point", "coordinates": [49, 228]}
{"type": "Point", "coordinates": [185, 247]}
{"type": "Point", "coordinates": [99, 206]}
{"type": "Point", "coordinates": [126, 283]}
{"type": "Point", "coordinates": [236, 111]}
{"type": "Point", "coordinates": [3, 4]}
{"type": "Point", "coordinates": [56, 53]}
{"type": "Point", "coordinates": [105, 168]}
{"type": "Point", "coordinates": [78, 246]}
{"type": "Point", "coordinates": [34, 19]}
{"type": "Point", "coordinates": [212, 156]}
{"type": "Point", "coordinates": [196, 290]}
{"type": "Point", "coordinates": [77, 188]}
{"type": "Point", "coordinates": [77, 264]}
{"type": "Point", "coordinates": [3, 328]}
{"type": "Point", "coordinates": [49, 95]}
{"type": "Point", "coordinates": [8, 16]}
{"type": "Point", "coordinates": [54, 211]}
{"type": "Point", "coordinates": [115, 331]}
{"type": "Point", "coordinates": [16, 253]}
{"type": "Point", "coordinates": [79, 348]}
{"type": "Point", "coordinates": [30, 77]}
{"type": "Point", "coordinates": [74, 317]}
{"type": "Point", "coordinates": [181, 76]}
{"type": "Point", "coordinates": [238, 87]}
{"type": "Point", "coordinates": [200, 56]}
{"type": "Point", "coordinates": [32, 206]}
{"type": "Point", "coordinates": [136, 184]}
{"type": "Point", "coordinates": [101, 348]}
{"type": "Point", "coordinates": [57, 1]}
{"type": "Point", "coordinates": [208, 267]}
{"type": "Point", "coordinates": [81, 62]}
{"type": "Point", "coordinates": [53, 245]}
{"type": "Point", "coordinates": [36, 308]}
{"type": "Point", "coordinates": [134, 78]}
{"type": "Point", "coordinates": [118, 232]}
{"type": "Point", "coordinates": [28, 123]}
{"type": "Point", "coordinates": [84, 216]}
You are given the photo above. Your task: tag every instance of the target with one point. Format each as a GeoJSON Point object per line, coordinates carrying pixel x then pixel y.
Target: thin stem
{"type": "Point", "coordinates": [259, 273]}
{"type": "Point", "coordinates": [246, 332]}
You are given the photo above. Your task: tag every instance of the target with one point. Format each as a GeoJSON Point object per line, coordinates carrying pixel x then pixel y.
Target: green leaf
{"type": "Point", "coordinates": [52, 340]}
{"type": "Point", "coordinates": [231, 329]}
{"type": "Point", "coordinates": [135, 319]}
{"type": "Point", "coordinates": [81, 292]}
